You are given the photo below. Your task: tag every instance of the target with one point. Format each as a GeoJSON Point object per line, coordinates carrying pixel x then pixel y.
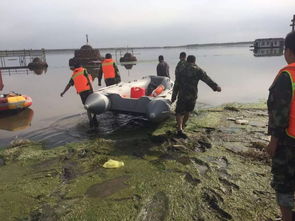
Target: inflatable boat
{"type": "Point", "coordinates": [149, 96]}
{"type": "Point", "coordinates": [14, 101]}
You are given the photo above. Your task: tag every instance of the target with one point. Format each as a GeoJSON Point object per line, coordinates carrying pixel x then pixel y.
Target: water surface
{"type": "Point", "coordinates": [57, 120]}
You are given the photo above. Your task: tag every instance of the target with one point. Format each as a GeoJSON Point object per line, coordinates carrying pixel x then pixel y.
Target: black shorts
{"type": "Point", "coordinates": [84, 95]}
{"type": "Point", "coordinates": [185, 106]}
{"type": "Point", "coordinates": [110, 81]}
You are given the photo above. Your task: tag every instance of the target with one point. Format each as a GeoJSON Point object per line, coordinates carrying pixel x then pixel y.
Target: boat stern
{"type": "Point", "coordinates": [97, 103]}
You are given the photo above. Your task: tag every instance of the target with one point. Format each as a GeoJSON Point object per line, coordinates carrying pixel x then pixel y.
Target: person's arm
{"type": "Point", "coordinates": [88, 80]}
{"type": "Point", "coordinates": [176, 69]}
{"type": "Point", "coordinates": [272, 146]}
{"type": "Point", "coordinates": [167, 70]}
{"type": "Point", "coordinates": [205, 78]}
{"type": "Point", "coordinates": [117, 74]}
{"type": "Point", "coordinates": [116, 69]}
{"type": "Point", "coordinates": [71, 83]}
{"type": "Point", "coordinates": [99, 77]}
{"type": "Point", "coordinates": [175, 89]}
{"type": "Point", "coordinates": [279, 101]}
{"type": "Point", "coordinates": [158, 70]}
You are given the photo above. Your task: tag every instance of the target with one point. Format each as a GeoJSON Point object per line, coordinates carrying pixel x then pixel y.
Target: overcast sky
{"type": "Point", "coordinates": [113, 23]}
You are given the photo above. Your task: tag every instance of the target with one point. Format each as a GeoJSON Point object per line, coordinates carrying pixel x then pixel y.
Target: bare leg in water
{"type": "Point", "coordinates": [92, 120]}
{"type": "Point", "coordinates": [179, 121]}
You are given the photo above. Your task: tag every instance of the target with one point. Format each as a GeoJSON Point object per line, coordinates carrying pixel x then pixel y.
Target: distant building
{"type": "Point", "coordinates": [269, 43]}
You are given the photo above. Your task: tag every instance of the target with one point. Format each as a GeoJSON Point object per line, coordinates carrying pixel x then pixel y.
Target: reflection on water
{"type": "Point", "coordinates": [39, 70]}
{"type": "Point", "coordinates": [76, 128]}
{"type": "Point", "coordinates": [14, 121]}
{"type": "Point", "coordinates": [1, 82]}
{"type": "Point", "coordinates": [22, 71]}
{"type": "Point", "coordinates": [128, 65]}
{"type": "Point", "coordinates": [262, 52]}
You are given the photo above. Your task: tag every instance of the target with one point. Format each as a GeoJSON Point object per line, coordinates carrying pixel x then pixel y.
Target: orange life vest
{"type": "Point", "coordinates": [290, 69]}
{"type": "Point", "coordinates": [108, 68]}
{"type": "Point", "coordinates": [80, 81]}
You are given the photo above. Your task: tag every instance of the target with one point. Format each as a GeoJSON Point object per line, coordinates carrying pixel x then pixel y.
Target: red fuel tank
{"type": "Point", "coordinates": [137, 92]}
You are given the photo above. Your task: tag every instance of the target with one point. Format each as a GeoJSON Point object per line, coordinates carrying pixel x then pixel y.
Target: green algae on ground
{"type": "Point", "coordinates": [209, 176]}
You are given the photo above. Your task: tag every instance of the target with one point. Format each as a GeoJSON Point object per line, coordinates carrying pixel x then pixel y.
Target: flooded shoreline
{"type": "Point", "coordinates": [242, 76]}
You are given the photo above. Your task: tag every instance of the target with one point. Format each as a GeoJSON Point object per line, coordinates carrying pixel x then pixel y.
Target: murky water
{"type": "Point", "coordinates": [57, 120]}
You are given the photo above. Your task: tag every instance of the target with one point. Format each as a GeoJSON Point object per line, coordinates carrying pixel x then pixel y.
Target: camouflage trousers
{"type": "Point", "coordinates": [283, 166]}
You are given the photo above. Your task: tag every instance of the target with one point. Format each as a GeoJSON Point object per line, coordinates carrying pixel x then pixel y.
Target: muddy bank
{"type": "Point", "coordinates": [219, 173]}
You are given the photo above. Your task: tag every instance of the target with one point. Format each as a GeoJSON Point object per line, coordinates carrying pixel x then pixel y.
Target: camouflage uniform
{"type": "Point", "coordinates": [180, 67]}
{"type": "Point", "coordinates": [186, 86]}
{"type": "Point", "coordinates": [283, 162]}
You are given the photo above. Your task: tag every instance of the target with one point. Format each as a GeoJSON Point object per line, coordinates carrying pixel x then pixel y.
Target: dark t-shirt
{"type": "Point", "coordinates": [163, 69]}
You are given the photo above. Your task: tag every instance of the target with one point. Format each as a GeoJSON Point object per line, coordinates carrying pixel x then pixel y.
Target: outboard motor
{"type": "Point", "coordinates": [97, 103]}
{"type": "Point", "coordinates": [158, 110]}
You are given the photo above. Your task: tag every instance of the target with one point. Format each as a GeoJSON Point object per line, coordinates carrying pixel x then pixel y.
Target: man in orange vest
{"type": "Point", "coordinates": [110, 71]}
{"type": "Point", "coordinates": [281, 127]}
{"type": "Point", "coordinates": [83, 84]}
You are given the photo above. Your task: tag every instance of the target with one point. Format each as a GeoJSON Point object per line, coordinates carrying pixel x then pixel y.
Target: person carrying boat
{"type": "Point", "coordinates": [281, 127]}
{"type": "Point", "coordinates": [185, 89]}
{"type": "Point", "coordinates": [162, 67]}
{"type": "Point", "coordinates": [83, 84]}
{"type": "Point", "coordinates": [110, 71]}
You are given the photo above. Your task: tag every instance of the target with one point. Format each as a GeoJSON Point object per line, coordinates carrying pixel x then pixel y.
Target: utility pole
{"type": "Point", "coordinates": [293, 23]}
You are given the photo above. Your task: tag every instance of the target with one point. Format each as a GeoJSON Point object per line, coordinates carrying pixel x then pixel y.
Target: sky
{"type": "Point", "coordinates": [53, 24]}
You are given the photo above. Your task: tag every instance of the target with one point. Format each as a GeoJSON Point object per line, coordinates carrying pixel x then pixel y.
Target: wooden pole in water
{"type": "Point", "coordinates": [86, 38]}
{"type": "Point", "coordinates": [293, 23]}
{"type": "Point", "coordinates": [1, 82]}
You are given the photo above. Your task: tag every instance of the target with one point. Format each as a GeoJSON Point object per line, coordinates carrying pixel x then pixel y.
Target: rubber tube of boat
{"type": "Point", "coordinates": [97, 103]}
{"type": "Point", "coordinates": [158, 109]}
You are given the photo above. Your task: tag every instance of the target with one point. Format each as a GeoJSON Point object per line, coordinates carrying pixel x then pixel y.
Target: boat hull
{"type": "Point", "coordinates": [15, 102]}
{"type": "Point", "coordinates": [117, 98]}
